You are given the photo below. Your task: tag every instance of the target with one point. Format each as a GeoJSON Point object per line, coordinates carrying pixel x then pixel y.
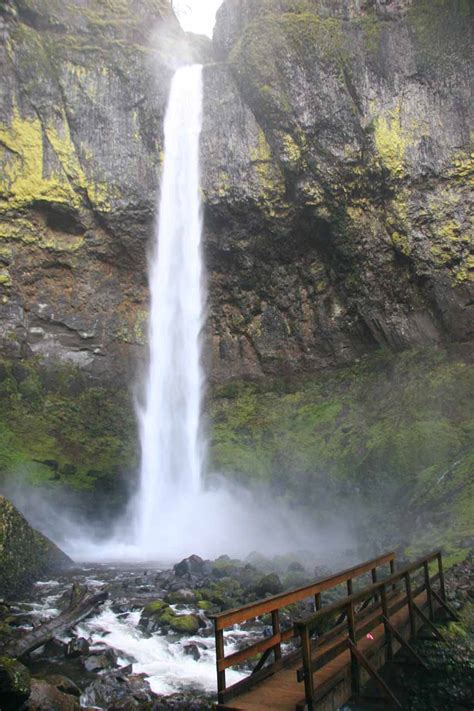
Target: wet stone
{"type": "Point", "coordinates": [99, 662]}
{"type": "Point", "coordinates": [77, 647]}
{"type": "Point", "coordinates": [193, 564]}
{"type": "Point", "coordinates": [192, 650]}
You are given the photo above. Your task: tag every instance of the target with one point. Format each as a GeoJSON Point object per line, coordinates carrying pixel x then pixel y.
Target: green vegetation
{"type": "Point", "coordinates": [448, 680]}
{"type": "Point", "coordinates": [56, 432]}
{"type": "Point", "coordinates": [393, 435]}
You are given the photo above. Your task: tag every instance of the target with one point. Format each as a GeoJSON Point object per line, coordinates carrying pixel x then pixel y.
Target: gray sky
{"type": "Point", "coordinates": [197, 15]}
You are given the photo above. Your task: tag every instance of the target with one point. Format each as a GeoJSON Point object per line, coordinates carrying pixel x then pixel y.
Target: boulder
{"type": "Point", "coordinates": [115, 690]}
{"type": "Point", "coordinates": [15, 684]}
{"type": "Point", "coordinates": [189, 566]}
{"type": "Point", "coordinates": [77, 647]}
{"type": "Point", "coordinates": [63, 684]}
{"type": "Point", "coordinates": [46, 697]}
{"type": "Point", "coordinates": [268, 585]}
{"type": "Point", "coordinates": [25, 554]}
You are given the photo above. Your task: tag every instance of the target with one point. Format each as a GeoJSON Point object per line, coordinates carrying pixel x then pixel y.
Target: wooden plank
{"type": "Point", "coordinates": [428, 589]}
{"type": "Point", "coordinates": [410, 603]}
{"type": "Point", "coordinates": [276, 602]}
{"type": "Point", "coordinates": [352, 641]}
{"type": "Point", "coordinates": [441, 575]}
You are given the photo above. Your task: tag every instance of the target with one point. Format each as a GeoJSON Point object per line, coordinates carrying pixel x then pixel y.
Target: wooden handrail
{"type": "Point", "coordinates": [379, 592]}
{"type": "Point", "coordinates": [255, 609]}
{"type": "Point", "coordinates": [312, 622]}
{"type": "Point", "coordinates": [273, 605]}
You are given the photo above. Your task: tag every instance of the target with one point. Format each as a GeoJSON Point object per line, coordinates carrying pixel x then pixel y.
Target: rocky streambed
{"type": "Point", "coordinates": [151, 645]}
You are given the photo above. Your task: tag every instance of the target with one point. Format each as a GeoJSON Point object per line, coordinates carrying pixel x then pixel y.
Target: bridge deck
{"type": "Point", "coordinates": [283, 692]}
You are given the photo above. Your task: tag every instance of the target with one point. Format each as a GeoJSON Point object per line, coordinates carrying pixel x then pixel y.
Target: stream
{"type": "Point", "coordinates": [117, 642]}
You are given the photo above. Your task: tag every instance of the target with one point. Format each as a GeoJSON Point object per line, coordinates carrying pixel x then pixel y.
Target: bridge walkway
{"type": "Point", "coordinates": [341, 646]}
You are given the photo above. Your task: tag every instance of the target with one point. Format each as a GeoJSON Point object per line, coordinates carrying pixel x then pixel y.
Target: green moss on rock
{"type": "Point", "coordinates": [25, 554]}
{"type": "Point", "coordinates": [184, 624]}
{"type": "Point", "coordinates": [394, 435]}
{"type": "Point", "coordinates": [155, 609]}
{"type": "Point", "coordinates": [88, 431]}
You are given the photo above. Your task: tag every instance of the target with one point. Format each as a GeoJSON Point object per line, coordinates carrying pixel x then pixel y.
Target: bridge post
{"type": "Point", "coordinates": [220, 655]}
{"type": "Point", "coordinates": [349, 587]}
{"type": "Point", "coordinates": [410, 605]}
{"type": "Point", "coordinates": [308, 668]}
{"type": "Point", "coordinates": [428, 589]}
{"type": "Point", "coordinates": [392, 572]}
{"type": "Point", "coordinates": [355, 668]}
{"type": "Point", "coordinates": [276, 630]}
{"type": "Point", "coordinates": [317, 601]}
{"type": "Point", "coordinates": [388, 634]}
{"type": "Point", "coordinates": [441, 576]}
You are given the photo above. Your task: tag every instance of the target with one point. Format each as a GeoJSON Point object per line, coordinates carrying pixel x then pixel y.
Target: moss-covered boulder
{"type": "Point", "coordinates": [160, 615]}
{"type": "Point", "coordinates": [184, 624]}
{"type": "Point", "coordinates": [15, 684]}
{"type": "Point", "coordinates": [25, 554]}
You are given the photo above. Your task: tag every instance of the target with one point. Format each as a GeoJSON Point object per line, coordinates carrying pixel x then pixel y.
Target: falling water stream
{"type": "Point", "coordinates": [170, 432]}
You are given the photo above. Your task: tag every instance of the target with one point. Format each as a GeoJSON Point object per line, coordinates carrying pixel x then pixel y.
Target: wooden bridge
{"type": "Point", "coordinates": [341, 646]}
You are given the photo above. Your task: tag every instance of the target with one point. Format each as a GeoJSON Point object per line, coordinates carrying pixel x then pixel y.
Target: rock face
{"type": "Point", "coordinates": [81, 137]}
{"type": "Point", "coordinates": [360, 236]}
{"type": "Point", "coordinates": [336, 176]}
{"type": "Point", "coordinates": [336, 167]}
{"type": "Point", "coordinates": [25, 554]}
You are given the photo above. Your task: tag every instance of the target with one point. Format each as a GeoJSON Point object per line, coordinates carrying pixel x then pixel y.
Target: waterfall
{"type": "Point", "coordinates": [171, 443]}
{"type": "Point", "coordinates": [174, 514]}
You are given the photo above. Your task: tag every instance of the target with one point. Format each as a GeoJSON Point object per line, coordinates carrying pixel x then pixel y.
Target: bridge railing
{"type": "Point", "coordinates": [386, 597]}
{"type": "Point", "coordinates": [266, 646]}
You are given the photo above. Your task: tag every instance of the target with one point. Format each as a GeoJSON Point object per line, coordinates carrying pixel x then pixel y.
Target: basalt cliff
{"type": "Point", "coordinates": [337, 178]}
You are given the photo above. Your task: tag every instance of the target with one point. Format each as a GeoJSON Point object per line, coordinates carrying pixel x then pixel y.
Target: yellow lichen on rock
{"type": "Point", "coordinates": [463, 169]}
{"type": "Point", "coordinates": [18, 230]}
{"type": "Point", "coordinates": [27, 178]}
{"type": "Point", "coordinates": [5, 278]}
{"type": "Point", "coordinates": [401, 243]}
{"type": "Point", "coordinates": [24, 179]}
{"type": "Point", "coordinates": [391, 141]}
{"type": "Point", "coordinates": [269, 175]}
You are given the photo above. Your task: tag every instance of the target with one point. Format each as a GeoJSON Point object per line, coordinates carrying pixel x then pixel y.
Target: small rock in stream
{"type": "Point", "coordinates": [192, 650]}
{"type": "Point", "coordinates": [77, 647]}
{"type": "Point", "coordinates": [99, 662]}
